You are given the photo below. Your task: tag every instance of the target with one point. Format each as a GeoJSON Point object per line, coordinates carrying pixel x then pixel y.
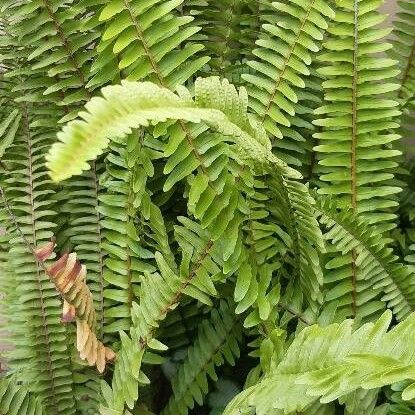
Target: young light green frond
{"type": "Point", "coordinates": [216, 344]}
{"type": "Point", "coordinates": [150, 41]}
{"type": "Point", "coordinates": [359, 116]}
{"type": "Point", "coordinates": [285, 49]}
{"type": "Point", "coordinates": [16, 398]}
{"type": "Point", "coordinates": [380, 278]}
{"type": "Point", "coordinates": [320, 358]}
{"type": "Point", "coordinates": [131, 105]}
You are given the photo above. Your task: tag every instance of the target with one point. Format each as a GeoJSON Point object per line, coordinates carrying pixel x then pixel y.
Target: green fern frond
{"type": "Point", "coordinates": [228, 30]}
{"type": "Point", "coordinates": [56, 47]}
{"type": "Point", "coordinates": [16, 398]}
{"type": "Point", "coordinates": [380, 278]}
{"type": "Point", "coordinates": [356, 158]}
{"type": "Point", "coordinates": [150, 42]}
{"type": "Point", "coordinates": [126, 258]}
{"type": "Point", "coordinates": [140, 103]}
{"type": "Point", "coordinates": [319, 359]}
{"type": "Point", "coordinates": [294, 206]}
{"type": "Point", "coordinates": [217, 343]}
{"type": "Point", "coordinates": [284, 53]}
{"type": "Point", "coordinates": [159, 293]}
{"type": "Point", "coordinates": [41, 348]}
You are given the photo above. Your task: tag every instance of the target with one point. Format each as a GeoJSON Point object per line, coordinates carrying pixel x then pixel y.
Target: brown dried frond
{"type": "Point", "coordinates": [68, 275]}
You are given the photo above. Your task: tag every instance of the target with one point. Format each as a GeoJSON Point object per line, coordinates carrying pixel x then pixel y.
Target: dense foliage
{"type": "Point", "coordinates": [228, 186]}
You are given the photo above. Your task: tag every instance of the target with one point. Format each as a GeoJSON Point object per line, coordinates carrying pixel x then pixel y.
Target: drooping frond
{"type": "Point", "coordinates": [16, 398]}
{"type": "Point", "coordinates": [68, 275]}
{"type": "Point", "coordinates": [291, 33]}
{"type": "Point", "coordinates": [381, 279]}
{"type": "Point", "coordinates": [215, 345]}
{"type": "Point", "coordinates": [359, 116]}
{"type": "Point", "coordinates": [139, 103]}
{"type": "Point", "coordinates": [321, 358]}
{"type": "Point", "coordinates": [149, 41]}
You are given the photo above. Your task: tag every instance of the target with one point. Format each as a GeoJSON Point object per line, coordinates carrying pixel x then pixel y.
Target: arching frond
{"type": "Point", "coordinates": [141, 103]}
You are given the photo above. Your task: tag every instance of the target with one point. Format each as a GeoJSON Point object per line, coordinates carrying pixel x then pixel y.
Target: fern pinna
{"type": "Point", "coordinates": [227, 185]}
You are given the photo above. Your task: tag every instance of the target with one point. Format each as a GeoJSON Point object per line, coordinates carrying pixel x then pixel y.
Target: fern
{"type": "Point", "coordinates": [160, 293]}
{"type": "Point", "coordinates": [355, 131]}
{"type": "Point", "coordinates": [159, 105]}
{"type": "Point", "coordinates": [40, 336]}
{"type": "Point", "coordinates": [16, 399]}
{"type": "Point", "coordinates": [217, 223]}
{"type": "Point", "coordinates": [68, 275]}
{"type": "Point", "coordinates": [147, 37]}
{"type": "Point", "coordinates": [369, 356]}
{"type": "Point", "coordinates": [216, 343]}
{"type": "Point", "coordinates": [280, 69]}
{"type": "Point", "coordinates": [126, 171]}
{"type": "Point", "coordinates": [379, 272]}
